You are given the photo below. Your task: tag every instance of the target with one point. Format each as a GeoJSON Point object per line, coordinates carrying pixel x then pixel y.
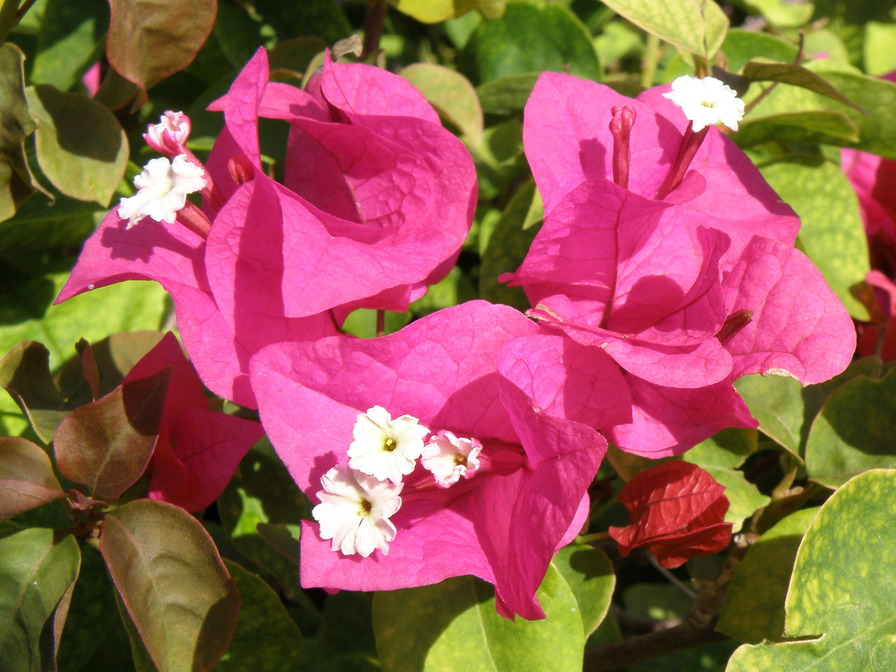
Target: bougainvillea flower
{"type": "Point", "coordinates": [198, 449]}
{"type": "Point", "coordinates": [677, 510]}
{"type": "Point", "coordinates": [666, 250]}
{"type": "Point", "coordinates": [376, 201]}
{"type": "Point", "coordinates": [163, 187]}
{"type": "Point", "coordinates": [461, 370]}
{"type": "Point", "coordinates": [706, 101]}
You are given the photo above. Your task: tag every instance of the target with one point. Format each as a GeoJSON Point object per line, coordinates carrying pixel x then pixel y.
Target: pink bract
{"type": "Point", "coordinates": [477, 370]}
{"type": "Point", "coordinates": [198, 449]}
{"type": "Point", "coordinates": [685, 291]}
{"type": "Point", "coordinates": [376, 200]}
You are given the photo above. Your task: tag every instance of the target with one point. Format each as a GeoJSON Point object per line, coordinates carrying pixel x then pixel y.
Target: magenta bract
{"type": "Point", "coordinates": [376, 200]}
{"type": "Point", "coordinates": [685, 288]}
{"type": "Point", "coordinates": [198, 449]}
{"type": "Point", "coordinates": [457, 370]}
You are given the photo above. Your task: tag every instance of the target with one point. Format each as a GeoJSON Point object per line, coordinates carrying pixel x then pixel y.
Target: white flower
{"type": "Point", "coordinates": [162, 190]}
{"type": "Point", "coordinates": [354, 511]}
{"type": "Point", "coordinates": [449, 458]}
{"type": "Point", "coordinates": [383, 447]}
{"type": "Point", "coordinates": [170, 134]}
{"type": "Point", "coordinates": [706, 102]}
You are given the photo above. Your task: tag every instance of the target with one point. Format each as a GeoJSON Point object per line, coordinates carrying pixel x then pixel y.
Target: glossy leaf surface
{"type": "Point", "coordinates": [172, 581]}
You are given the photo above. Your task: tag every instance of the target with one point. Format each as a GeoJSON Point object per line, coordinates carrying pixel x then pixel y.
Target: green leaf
{"type": "Point", "coordinates": [283, 538]}
{"type": "Point", "coordinates": [454, 288]}
{"type": "Point", "coordinates": [423, 628]}
{"type": "Point", "coordinates": [507, 247]}
{"type": "Point", "coordinates": [362, 322]}
{"type": "Point", "coordinates": [150, 40]}
{"type": "Point", "coordinates": [263, 625]}
{"type": "Point", "coordinates": [27, 479]}
{"type": "Point", "coordinates": [741, 46]}
{"type": "Point", "coordinates": [81, 147]}
{"type": "Point", "coordinates": [16, 181]}
{"type": "Point", "coordinates": [434, 11]}
{"type": "Point", "coordinates": [782, 13]}
{"type": "Point", "coordinates": [754, 604]}
{"type": "Point", "coordinates": [27, 315]}
{"type": "Point", "coordinates": [345, 633]}
{"type": "Point", "coordinates": [508, 94]}
{"type": "Point", "coordinates": [877, 126]}
{"type": "Point", "coordinates": [69, 42]}
{"type": "Point", "coordinates": [854, 431]}
{"type": "Point", "coordinates": [658, 602]}
{"type": "Point", "coordinates": [40, 227]}
{"type": "Point", "coordinates": [880, 57]}
{"type": "Point", "coordinates": [107, 445]}
{"type": "Point", "coordinates": [813, 126]}
{"type": "Point", "coordinates": [697, 26]}
{"type": "Point", "coordinates": [319, 18]}
{"type": "Point", "coordinates": [25, 375]}
{"type": "Point", "coordinates": [832, 234]}
{"type": "Point", "coordinates": [262, 491]}
{"type": "Point", "coordinates": [795, 75]}
{"type": "Point", "coordinates": [91, 614]}
{"type": "Point", "coordinates": [451, 94]}
{"type": "Point", "coordinates": [785, 410]}
{"type": "Point", "coordinates": [529, 39]}
{"type": "Point", "coordinates": [839, 600]}
{"type": "Point", "coordinates": [173, 583]}
{"type": "Point", "coordinates": [36, 575]}
{"type": "Point", "coordinates": [720, 455]}
{"type": "Point", "coordinates": [589, 574]}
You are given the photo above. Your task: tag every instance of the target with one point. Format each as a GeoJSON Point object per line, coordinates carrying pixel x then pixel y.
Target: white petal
{"type": "Point", "coordinates": [162, 190]}
{"type": "Point", "coordinates": [450, 458]}
{"type": "Point", "coordinates": [354, 511]}
{"type": "Point", "coordinates": [706, 102]}
{"type": "Point", "coordinates": [383, 447]}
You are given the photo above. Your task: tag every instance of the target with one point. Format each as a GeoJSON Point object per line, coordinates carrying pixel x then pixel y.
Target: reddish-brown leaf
{"type": "Point", "coordinates": [173, 583]}
{"type": "Point", "coordinates": [677, 510]}
{"type": "Point", "coordinates": [106, 445]}
{"type": "Point", "coordinates": [150, 40]}
{"type": "Point", "coordinates": [26, 477]}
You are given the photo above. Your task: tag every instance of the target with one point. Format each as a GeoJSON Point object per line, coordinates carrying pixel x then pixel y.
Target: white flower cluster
{"type": "Point", "coordinates": [358, 500]}
{"type": "Point", "coordinates": [706, 102]}
{"type": "Point", "coordinates": [163, 186]}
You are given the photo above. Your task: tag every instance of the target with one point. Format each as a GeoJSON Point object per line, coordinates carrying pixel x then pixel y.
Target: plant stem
{"type": "Point", "coordinates": [650, 61]}
{"type": "Point", "coordinates": [620, 655]}
{"type": "Point", "coordinates": [373, 26]}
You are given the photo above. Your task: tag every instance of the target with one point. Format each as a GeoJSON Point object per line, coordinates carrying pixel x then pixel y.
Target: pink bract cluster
{"type": "Point", "coordinates": [465, 443]}
{"type": "Point", "coordinates": [375, 202]}
{"type": "Point", "coordinates": [685, 283]}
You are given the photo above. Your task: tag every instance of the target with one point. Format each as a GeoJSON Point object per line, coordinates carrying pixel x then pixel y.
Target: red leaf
{"type": "Point", "coordinates": [677, 510]}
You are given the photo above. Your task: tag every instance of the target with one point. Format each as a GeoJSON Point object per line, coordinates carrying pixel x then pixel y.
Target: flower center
{"type": "Point", "coordinates": [621, 128]}
{"type": "Point", "coordinates": [389, 445]}
{"type": "Point", "coordinates": [364, 507]}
